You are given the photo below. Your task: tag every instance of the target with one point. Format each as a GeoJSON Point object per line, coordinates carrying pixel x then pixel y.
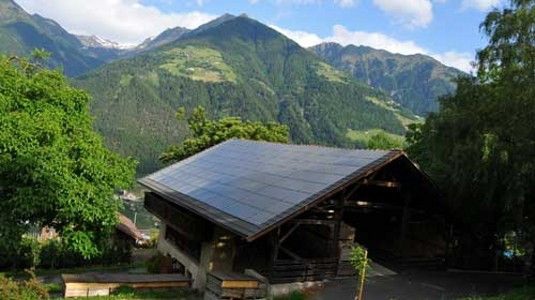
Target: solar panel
{"type": "Point", "coordinates": [257, 182]}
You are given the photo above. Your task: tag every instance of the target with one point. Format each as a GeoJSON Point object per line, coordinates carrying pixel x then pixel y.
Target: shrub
{"type": "Point", "coordinates": [153, 240]}
{"type": "Point", "coordinates": [54, 254]}
{"type": "Point", "coordinates": [30, 289]}
{"type": "Point", "coordinates": [159, 263]}
{"type": "Point", "coordinates": [153, 264]}
{"type": "Point", "coordinates": [115, 251]}
{"type": "Point", "coordinates": [51, 254]}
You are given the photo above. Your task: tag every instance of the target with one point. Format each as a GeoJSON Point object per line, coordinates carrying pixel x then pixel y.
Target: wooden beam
{"type": "Point", "coordinates": [312, 222]}
{"type": "Point", "coordinates": [382, 183]}
{"type": "Point", "coordinates": [339, 215]}
{"type": "Point", "coordinates": [405, 216]}
{"type": "Point", "coordinates": [374, 205]}
{"type": "Point", "coordinates": [320, 210]}
{"type": "Point", "coordinates": [291, 254]}
{"type": "Point", "coordinates": [350, 193]}
{"type": "Point", "coordinates": [282, 239]}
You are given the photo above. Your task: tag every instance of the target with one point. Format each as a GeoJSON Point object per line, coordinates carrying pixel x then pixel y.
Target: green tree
{"type": "Point", "coordinates": [480, 146]}
{"type": "Point", "coordinates": [207, 133]}
{"type": "Point", "coordinates": [54, 168]}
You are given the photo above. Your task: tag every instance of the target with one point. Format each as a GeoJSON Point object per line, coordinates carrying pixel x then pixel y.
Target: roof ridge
{"type": "Point", "coordinates": [313, 146]}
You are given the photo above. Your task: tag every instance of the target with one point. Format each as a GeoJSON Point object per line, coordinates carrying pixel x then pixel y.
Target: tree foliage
{"type": "Point", "coordinates": [480, 146]}
{"type": "Point", "coordinates": [54, 169]}
{"type": "Point", "coordinates": [207, 133]}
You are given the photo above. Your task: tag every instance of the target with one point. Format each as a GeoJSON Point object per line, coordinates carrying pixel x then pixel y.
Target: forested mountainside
{"type": "Point", "coordinates": [414, 81]}
{"type": "Point", "coordinates": [231, 66]}
{"type": "Point", "coordinates": [21, 33]}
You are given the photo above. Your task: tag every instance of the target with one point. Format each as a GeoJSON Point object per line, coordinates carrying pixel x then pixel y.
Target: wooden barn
{"type": "Point", "coordinates": [292, 212]}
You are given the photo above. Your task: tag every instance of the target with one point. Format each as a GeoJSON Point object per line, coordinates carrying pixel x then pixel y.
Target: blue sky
{"type": "Point", "coordinates": [448, 30]}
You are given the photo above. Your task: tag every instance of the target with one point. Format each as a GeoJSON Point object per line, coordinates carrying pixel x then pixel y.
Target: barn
{"type": "Point", "coordinates": [292, 212]}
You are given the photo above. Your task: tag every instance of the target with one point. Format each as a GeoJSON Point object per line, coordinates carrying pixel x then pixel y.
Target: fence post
{"type": "Point", "coordinates": [362, 276]}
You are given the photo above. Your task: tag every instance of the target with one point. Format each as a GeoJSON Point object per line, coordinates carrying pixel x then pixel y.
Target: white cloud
{"type": "Point", "coordinates": [341, 3]}
{"type": "Point", "coordinates": [343, 36]}
{"type": "Point", "coordinates": [303, 38]}
{"type": "Point", "coordinates": [345, 3]}
{"type": "Point", "coordinates": [411, 13]}
{"type": "Point", "coordinates": [124, 21]}
{"type": "Point", "coordinates": [459, 60]}
{"type": "Point", "coordinates": [482, 5]}
{"type": "Point", "coordinates": [377, 40]}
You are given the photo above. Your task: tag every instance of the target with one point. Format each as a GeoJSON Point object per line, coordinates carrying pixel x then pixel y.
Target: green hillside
{"type": "Point", "coordinates": [414, 81]}
{"type": "Point", "coordinates": [21, 33]}
{"type": "Point", "coordinates": [233, 67]}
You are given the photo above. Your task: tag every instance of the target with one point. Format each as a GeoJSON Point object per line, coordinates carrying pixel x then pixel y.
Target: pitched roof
{"type": "Point", "coordinates": [126, 226]}
{"type": "Point", "coordinates": [249, 186]}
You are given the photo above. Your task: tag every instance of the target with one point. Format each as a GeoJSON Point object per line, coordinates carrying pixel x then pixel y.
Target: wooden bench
{"type": "Point", "coordinates": [101, 284]}
{"type": "Point", "coordinates": [226, 285]}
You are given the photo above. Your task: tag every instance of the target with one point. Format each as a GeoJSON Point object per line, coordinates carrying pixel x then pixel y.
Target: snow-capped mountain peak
{"type": "Point", "coordinates": [93, 41]}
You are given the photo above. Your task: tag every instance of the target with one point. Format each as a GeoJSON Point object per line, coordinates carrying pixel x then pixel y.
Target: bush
{"type": "Point", "coordinates": [24, 255]}
{"type": "Point", "coordinates": [115, 251]}
{"type": "Point", "coordinates": [153, 264]}
{"type": "Point", "coordinates": [55, 255]}
{"type": "Point", "coordinates": [153, 241]}
{"type": "Point", "coordinates": [30, 289]}
{"type": "Point", "coordinates": [50, 251]}
{"type": "Point", "coordinates": [159, 263]}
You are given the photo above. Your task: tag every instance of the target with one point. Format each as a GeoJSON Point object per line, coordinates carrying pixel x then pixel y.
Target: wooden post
{"type": "Point", "coordinates": [362, 277]}
{"type": "Point", "coordinates": [275, 237]}
{"type": "Point", "coordinates": [404, 221]}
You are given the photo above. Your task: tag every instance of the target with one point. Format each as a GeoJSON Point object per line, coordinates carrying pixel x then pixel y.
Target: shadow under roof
{"type": "Point", "coordinates": [249, 186]}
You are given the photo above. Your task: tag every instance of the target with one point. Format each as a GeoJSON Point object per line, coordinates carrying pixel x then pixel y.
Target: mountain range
{"type": "Point", "coordinates": [414, 81]}
{"type": "Point", "coordinates": [21, 33]}
{"type": "Point", "coordinates": [253, 72]}
{"type": "Point", "coordinates": [233, 65]}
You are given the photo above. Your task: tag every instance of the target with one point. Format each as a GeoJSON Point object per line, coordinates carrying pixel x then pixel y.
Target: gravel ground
{"type": "Point", "coordinates": [419, 284]}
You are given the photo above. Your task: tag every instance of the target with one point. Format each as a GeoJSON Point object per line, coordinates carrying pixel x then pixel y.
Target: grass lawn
{"type": "Point", "coordinates": [521, 293]}
{"type": "Point", "coordinates": [363, 136]}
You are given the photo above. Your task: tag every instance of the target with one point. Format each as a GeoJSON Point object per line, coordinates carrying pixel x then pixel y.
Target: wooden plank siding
{"type": "Point", "coordinates": [102, 284]}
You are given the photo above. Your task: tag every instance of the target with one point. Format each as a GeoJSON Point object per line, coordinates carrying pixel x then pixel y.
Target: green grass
{"type": "Point", "coordinates": [296, 295]}
{"type": "Point", "coordinates": [521, 293]}
{"type": "Point", "coordinates": [406, 118]}
{"type": "Point", "coordinates": [363, 136]}
{"type": "Point", "coordinates": [198, 63]}
{"type": "Point", "coordinates": [54, 288]}
{"type": "Point", "coordinates": [330, 73]}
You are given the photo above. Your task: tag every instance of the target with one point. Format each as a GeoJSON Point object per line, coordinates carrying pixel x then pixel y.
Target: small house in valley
{"type": "Point", "coordinates": [291, 213]}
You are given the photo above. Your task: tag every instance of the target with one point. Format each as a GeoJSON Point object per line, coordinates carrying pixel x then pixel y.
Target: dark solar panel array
{"type": "Point", "coordinates": [257, 181]}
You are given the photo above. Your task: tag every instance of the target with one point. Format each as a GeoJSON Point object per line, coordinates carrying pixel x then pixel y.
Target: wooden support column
{"type": "Point", "coordinates": [275, 244]}
{"type": "Point", "coordinates": [405, 194]}
{"type": "Point", "coordinates": [338, 216]}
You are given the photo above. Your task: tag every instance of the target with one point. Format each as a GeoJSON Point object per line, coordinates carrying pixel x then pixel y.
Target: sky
{"type": "Point", "coordinates": [447, 30]}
